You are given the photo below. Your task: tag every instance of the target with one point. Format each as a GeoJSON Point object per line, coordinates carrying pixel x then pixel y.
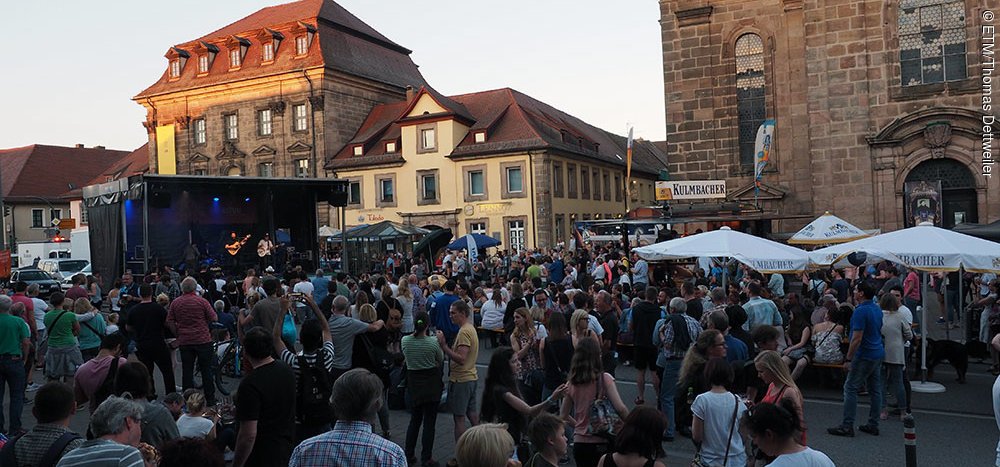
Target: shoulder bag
{"type": "Point", "coordinates": [697, 462]}
{"type": "Point", "coordinates": [603, 419]}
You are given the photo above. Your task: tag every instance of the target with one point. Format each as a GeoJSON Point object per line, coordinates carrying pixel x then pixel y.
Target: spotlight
{"type": "Point", "coordinates": [216, 199]}
{"type": "Point", "coordinates": [247, 199]}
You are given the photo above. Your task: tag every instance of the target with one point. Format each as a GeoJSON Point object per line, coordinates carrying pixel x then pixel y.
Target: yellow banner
{"type": "Point", "coordinates": [166, 155]}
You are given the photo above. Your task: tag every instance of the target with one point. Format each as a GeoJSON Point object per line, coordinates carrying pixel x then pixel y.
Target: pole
{"type": "Point", "coordinates": [923, 386]}
{"type": "Point", "coordinates": [343, 239]}
{"type": "Point", "coordinates": [946, 284]}
{"type": "Point", "coordinates": [910, 440]}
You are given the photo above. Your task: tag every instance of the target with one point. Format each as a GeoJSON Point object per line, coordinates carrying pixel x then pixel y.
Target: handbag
{"type": "Point", "coordinates": [698, 462]}
{"type": "Point", "coordinates": [288, 332]}
{"type": "Point", "coordinates": [603, 420]}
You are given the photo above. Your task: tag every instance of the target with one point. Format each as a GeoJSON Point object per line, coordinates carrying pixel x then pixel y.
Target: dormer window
{"type": "Point", "coordinates": [175, 68]}
{"type": "Point", "coordinates": [358, 150]}
{"type": "Point", "coordinates": [480, 136]}
{"type": "Point", "coordinates": [203, 64]}
{"type": "Point", "coordinates": [234, 58]}
{"type": "Point", "coordinates": [390, 147]}
{"type": "Point", "coordinates": [268, 52]}
{"type": "Point", "coordinates": [237, 50]}
{"type": "Point", "coordinates": [301, 45]}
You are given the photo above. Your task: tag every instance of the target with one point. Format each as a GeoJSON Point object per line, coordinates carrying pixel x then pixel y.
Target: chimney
{"type": "Point", "coordinates": [79, 145]}
{"type": "Point", "coordinates": [409, 93]}
{"type": "Point", "coordinates": [99, 147]}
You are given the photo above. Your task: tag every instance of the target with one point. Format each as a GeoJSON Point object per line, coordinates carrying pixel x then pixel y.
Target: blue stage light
{"type": "Point", "coordinates": [216, 199]}
{"type": "Point", "coordinates": [247, 199]}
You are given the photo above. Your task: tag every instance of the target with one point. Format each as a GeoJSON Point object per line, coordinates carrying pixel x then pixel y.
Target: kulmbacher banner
{"type": "Point", "coordinates": [666, 191]}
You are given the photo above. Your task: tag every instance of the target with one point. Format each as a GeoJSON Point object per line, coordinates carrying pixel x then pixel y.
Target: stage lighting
{"type": "Point", "coordinates": [247, 199]}
{"type": "Point", "coordinates": [216, 199]}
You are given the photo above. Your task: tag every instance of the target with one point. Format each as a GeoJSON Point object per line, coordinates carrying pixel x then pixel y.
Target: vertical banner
{"type": "Point", "coordinates": [762, 149]}
{"type": "Point", "coordinates": [166, 155]}
{"type": "Point", "coordinates": [922, 202]}
{"type": "Point", "coordinates": [472, 247]}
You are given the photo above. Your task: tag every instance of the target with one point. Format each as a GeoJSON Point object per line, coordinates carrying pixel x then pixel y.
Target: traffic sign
{"type": "Point", "coordinates": [67, 224]}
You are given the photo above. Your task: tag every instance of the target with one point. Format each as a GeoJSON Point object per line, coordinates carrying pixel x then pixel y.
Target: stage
{"type": "Point", "coordinates": [145, 222]}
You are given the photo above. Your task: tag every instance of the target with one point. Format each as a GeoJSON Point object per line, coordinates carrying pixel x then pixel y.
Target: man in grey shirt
{"type": "Point", "coordinates": [343, 328]}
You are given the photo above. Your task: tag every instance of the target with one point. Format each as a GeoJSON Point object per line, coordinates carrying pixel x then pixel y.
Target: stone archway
{"type": "Point", "coordinates": [958, 186]}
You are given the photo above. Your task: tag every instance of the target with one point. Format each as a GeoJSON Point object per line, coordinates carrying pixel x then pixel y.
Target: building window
{"type": "Point", "coordinates": [84, 216]}
{"type": "Point", "coordinates": [235, 58]}
{"type": "Point", "coordinates": [515, 184]}
{"type": "Point", "coordinates": [750, 90]}
{"type": "Point", "coordinates": [618, 188]}
{"type": "Point", "coordinates": [931, 41]}
{"type": "Point", "coordinates": [390, 147]}
{"type": "Point", "coordinates": [37, 221]}
{"type": "Point", "coordinates": [386, 191]}
{"type": "Point", "coordinates": [175, 68]}
{"type": "Point", "coordinates": [299, 120]}
{"type": "Point", "coordinates": [267, 52]}
{"type": "Point", "coordinates": [477, 183]}
{"type": "Point", "coordinates": [199, 172]}
{"type": "Point", "coordinates": [264, 122]}
{"type": "Point", "coordinates": [202, 64]}
{"type": "Point", "coordinates": [557, 180]}
{"type": "Point", "coordinates": [480, 136]}
{"type": "Point", "coordinates": [54, 215]}
{"type": "Point", "coordinates": [584, 183]}
{"type": "Point", "coordinates": [232, 127]}
{"type": "Point", "coordinates": [199, 131]}
{"type": "Point", "coordinates": [428, 139]}
{"type": "Point", "coordinates": [428, 187]}
{"type": "Point", "coordinates": [266, 169]}
{"type": "Point", "coordinates": [477, 227]}
{"type": "Point", "coordinates": [515, 232]}
{"type": "Point", "coordinates": [359, 150]}
{"type": "Point", "coordinates": [354, 192]}
{"type": "Point", "coordinates": [302, 168]}
{"type": "Point", "coordinates": [606, 185]}
{"type": "Point", "coordinates": [570, 180]}
{"type": "Point", "coordinates": [560, 229]}
{"type": "Point", "coordinates": [597, 184]}
{"type": "Point", "coordinates": [301, 45]}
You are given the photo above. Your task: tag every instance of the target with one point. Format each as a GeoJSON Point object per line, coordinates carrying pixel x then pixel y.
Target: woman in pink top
{"type": "Point", "coordinates": [585, 374]}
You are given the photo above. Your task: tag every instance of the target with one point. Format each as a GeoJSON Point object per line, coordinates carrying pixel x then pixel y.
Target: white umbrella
{"type": "Point", "coordinates": [924, 248]}
{"type": "Point", "coordinates": [827, 229]}
{"type": "Point", "coordinates": [326, 231]}
{"type": "Point", "coordinates": [761, 254]}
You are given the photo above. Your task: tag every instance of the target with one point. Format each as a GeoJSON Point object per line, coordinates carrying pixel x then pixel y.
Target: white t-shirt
{"type": "Point", "coordinates": [806, 458]}
{"type": "Point", "coordinates": [303, 287]}
{"type": "Point", "coordinates": [716, 410]}
{"type": "Point", "coordinates": [40, 308]}
{"type": "Point", "coordinates": [193, 427]}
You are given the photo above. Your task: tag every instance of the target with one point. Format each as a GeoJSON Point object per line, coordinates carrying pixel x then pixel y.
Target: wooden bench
{"type": "Point", "coordinates": [829, 373]}
{"type": "Point", "coordinates": [492, 333]}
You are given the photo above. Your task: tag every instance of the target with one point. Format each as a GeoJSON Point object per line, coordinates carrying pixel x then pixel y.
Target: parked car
{"type": "Point", "coordinates": [67, 282]}
{"type": "Point", "coordinates": [46, 284]}
{"type": "Point", "coordinates": [63, 267]}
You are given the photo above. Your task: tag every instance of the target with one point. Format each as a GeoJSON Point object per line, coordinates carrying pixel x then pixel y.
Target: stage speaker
{"type": "Point", "coordinates": [338, 196]}
{"type": "Point", "coordinates": [159, 200]}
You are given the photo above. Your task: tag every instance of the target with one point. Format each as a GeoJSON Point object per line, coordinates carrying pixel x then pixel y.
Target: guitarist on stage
{"type": "Point", "coordinates": [265, 248]}
{"type": "Point", "coordinates": [232, 247]}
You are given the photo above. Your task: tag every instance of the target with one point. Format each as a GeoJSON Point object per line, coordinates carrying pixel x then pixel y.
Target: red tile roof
{"type": "Point", "coordinates": [342, 42]}
{"type": "Point", "coordinates": [513, 122]}
{"type": "Point", "coordinates": [29, 171]}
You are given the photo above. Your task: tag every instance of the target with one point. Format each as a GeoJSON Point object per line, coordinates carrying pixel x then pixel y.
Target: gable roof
{"type": "Point", "coordinates": [27, 172]}
{"type": "Point", "coordinates": [513, 122]}
{"type": "Point", "coordinates": [340, 41]}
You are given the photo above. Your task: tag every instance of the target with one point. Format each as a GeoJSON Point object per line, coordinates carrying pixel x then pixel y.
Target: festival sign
{"type": "Point", "coordinates": [677, 190]}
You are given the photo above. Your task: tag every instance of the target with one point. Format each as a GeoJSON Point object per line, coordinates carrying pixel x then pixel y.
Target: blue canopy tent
{"type": "Point", "coordinates": [482, 241]}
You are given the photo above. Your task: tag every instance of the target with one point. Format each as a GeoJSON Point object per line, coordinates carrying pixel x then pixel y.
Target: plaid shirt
{"type": "Point", "coordinates": [348, 444]}
{"type": "Point", "coordinates": [30, 449]}
{"type": "Point", "coordinates": [664, 337]}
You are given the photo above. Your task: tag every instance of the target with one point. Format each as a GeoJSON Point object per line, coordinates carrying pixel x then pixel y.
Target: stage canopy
{"type": "Point", "coordinates": [760, 254]}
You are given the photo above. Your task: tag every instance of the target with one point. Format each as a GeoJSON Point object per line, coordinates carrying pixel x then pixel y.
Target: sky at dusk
{"type": "Point", "coordinates": [72, 67]}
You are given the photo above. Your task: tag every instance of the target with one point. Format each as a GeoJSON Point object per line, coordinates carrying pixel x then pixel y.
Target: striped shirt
{"type": "Point", "coordinates": [348, 444]}
{"type": "Point", "coordinates": [102, 453]}
{"type": "Point", "coordinates": [292, 360]}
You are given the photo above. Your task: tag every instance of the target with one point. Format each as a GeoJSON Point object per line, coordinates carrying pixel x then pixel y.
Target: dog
{"type": "Point", "coordinates": [938, 351]}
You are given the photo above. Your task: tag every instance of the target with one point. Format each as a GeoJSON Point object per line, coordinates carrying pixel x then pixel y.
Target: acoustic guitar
{"type": "Point", "coordinates": [234, 248]}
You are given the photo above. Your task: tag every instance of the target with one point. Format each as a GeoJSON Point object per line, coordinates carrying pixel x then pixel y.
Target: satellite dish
{"type": "Point", "coordinates": [857, 258]}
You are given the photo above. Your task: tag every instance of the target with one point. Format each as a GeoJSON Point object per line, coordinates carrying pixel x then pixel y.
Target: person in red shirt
{"type": "Point", "coordinates": [189, 317]}
{"type": "Point", "coordinates": [78, 290]}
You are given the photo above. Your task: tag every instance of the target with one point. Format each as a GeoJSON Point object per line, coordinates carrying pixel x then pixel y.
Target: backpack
{"type": "Point", "coordinates": [49, 459]}
{"type": "Point", "coordinates": [380, 359]}
{"type": "Point", "coordinates": [682, 338]}
{"type": "Point", "coordinates": [313, 390]}
{"type": "Point", "coordinates": [107, 387]}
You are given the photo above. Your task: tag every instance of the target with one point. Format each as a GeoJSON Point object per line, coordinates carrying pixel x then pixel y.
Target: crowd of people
{"type": "Point", "coordinates": [324, 357]}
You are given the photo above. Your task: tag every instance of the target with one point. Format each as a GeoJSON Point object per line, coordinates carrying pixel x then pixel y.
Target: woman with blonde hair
{"type": "Point", "coordinates": [405, 299]}
{"type": "Point", "coordinates": [579, 325]}
{"type": "Point", "coordinates": [524, 340]}
{"type": "Point", "coordinates": [780, 386]}
{"type": "Point", "coordinates": [486, 445]}
{"type": "Point", "coordinates": [588, 382]}
{"type": "Point", "coordinates": [91, 331]}
{"type": "Point", "coordinates": [362, 357]}
{"type": "Point", "coordinates": [198, 422]}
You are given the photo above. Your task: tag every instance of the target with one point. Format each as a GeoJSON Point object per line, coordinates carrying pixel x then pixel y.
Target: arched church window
{"type": "Point", "coordinates": [750, 91]}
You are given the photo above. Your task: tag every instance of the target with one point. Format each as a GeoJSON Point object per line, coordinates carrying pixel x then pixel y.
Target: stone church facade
{"type": "Point", "coordinates": [866, 95]}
